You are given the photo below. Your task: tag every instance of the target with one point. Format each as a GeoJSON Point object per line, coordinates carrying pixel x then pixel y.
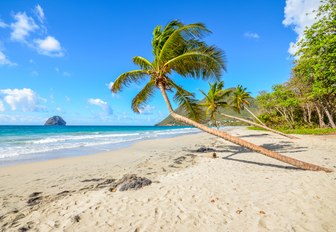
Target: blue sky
{"type": "Point", "coordinates": [59, 57]}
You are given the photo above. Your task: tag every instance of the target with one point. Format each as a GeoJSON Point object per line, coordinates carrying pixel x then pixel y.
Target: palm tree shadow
{"type": "Point", "coordinates": [287, 147]}
{"type": "Point", "coordinates": [254, 135]}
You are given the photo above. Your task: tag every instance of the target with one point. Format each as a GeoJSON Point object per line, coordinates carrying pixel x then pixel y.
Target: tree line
{"type": "Point", "coordinates": [308, 99]}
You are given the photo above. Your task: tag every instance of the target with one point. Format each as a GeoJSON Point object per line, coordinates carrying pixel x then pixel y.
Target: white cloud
{"type": "Point", "coordinates": [3, 24]}
{"type": "Point", "coordinates": [109, 85]}
{"type": "Point", "coordinates": [147, 109]}
{"type": "Point", "coordinates": [5, 61]}
{"type": "Point", "coordinates": [102, 104]}
{"type": "Point", "coordinates": [59, 109]}
{"type": "Point", "coordinates": [251, 35]}
{"type": "Point", "coordinates": [22, 27]}
{"type": "Point", "coordinates": [299, 14]}
{"type": "Point", "coordinates": [39, 12]}
{"type": "Point", "coordinates": [49, 46]}
{"type": "Point", "coordinates": [22, 99]}
{"type": "Point", "coordinates": [2, 107]}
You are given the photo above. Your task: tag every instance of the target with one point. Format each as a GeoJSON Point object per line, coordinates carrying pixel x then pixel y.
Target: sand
{"type": "Point", "coordinates": [238, 191]}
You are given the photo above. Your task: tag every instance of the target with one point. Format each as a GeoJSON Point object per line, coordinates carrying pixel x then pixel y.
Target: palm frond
{"type": "Point", "coordinates": [143, 96]}
{"type": "Point", "coordinates": [181, 38]}
{"type": "Point", "coordinates": [207, 64]}
{"type": "Point", "coordinates": [126, 78]}
{"type": "Point", "coordinates": [187, 101]}
{"type": "Point", "coordinates": [143, 63]}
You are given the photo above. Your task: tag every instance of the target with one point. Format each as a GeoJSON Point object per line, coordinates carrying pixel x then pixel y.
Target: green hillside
{"type": "Point", "coordinates": [170, 121]}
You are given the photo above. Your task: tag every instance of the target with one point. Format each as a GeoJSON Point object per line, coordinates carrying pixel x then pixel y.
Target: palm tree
{"type": "Point", "coordinates": [240, 101]}
{"type": "Point", "coordinates": [178, 48]}
{"type": "Point", "coordinates": [214, 100]}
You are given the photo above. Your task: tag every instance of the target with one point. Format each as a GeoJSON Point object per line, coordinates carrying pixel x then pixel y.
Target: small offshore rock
{"type": "Point", "coordinates": [55, 121]}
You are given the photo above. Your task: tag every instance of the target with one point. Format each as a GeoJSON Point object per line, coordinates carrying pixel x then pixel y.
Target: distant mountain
{"type": "Point", "coordinates": [170, 121]}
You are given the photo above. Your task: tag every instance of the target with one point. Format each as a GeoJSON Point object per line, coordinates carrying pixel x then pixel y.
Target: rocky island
{"type": "Point", "coordinates": [55, 121]}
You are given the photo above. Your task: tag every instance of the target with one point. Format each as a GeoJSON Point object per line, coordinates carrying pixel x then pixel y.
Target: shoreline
{"type": "Point", "coordinates": [83, 150]}
{"type": "Point", "coordinates": [239, 191]}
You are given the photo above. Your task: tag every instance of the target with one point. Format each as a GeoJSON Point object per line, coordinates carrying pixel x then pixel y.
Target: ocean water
{"type": "Point", "coordinates": [20, 144]}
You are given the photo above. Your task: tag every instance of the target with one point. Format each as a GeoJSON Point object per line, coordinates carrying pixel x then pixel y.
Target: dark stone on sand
{"type": "Point", "coordinates": [34, 201]}
{"type": "Point", "coordinates": [55, 121]}
{"type": "Point", "coordinates": [131, 181]}
{"type": "Point", "coordinates": [92, 180]}
{"type": "Point", "coordinates": [77, 218]}
{"type": "Point", "coordinates": [205, 149]}
{"type": "Point", "coordinates": [35, 194]}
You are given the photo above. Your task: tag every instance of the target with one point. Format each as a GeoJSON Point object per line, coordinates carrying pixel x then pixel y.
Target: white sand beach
{"type": "Point", "coordinates": [190, 191]}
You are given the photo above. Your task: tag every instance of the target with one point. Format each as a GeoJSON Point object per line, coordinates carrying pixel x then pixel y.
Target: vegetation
{"type": "Point", "coordinates": [303, 131]}
{"type": "Point", "coordinates": [308, 99]}
{"type": "Point", "coordinates": [178, 48]}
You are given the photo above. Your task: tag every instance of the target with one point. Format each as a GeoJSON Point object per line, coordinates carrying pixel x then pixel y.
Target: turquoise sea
{"type": "Point", "coordinates": [20, 144]}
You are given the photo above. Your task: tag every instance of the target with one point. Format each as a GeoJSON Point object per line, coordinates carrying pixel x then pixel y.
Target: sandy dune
{"type": "Point", "coordinates": [239, 191]}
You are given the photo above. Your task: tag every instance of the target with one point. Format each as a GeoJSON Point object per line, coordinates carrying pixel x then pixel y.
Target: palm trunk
{"type": "Point", "coordinates": [258, 125]}
{"type": "Point", "coordinates": [241, 142]}
{"type": "Point", "coordinates": [255, 116]}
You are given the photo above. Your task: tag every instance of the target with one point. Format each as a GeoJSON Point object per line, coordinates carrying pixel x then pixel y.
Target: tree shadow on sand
{"type": "Point", "coordinates": [282, 147]}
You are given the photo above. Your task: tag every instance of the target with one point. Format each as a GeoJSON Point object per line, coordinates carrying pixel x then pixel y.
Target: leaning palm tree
{"type": "Point", "coordinates": [214, 100]}
{"type": "Point", "coordinates": [178, 48]}
{"type": "Point", "coordinates": [240, 101]}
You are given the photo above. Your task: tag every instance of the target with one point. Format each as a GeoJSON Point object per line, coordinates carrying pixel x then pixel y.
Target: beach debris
{"type": "Point", "coordinates": [214, 155]}
{"type": "Point", "coordinates": [238, 211]}
{"type": "Point", "coordinates": [262, 212]}
{"type": "Point", "coordinates": [106, 183]}
{"type": "Point", "coordinates": [131, 181]}
{"type": "Point", "coordinates": [34, 198]}
{"type": "Point", "coordinates": [179, 160]}
{"type": "Point", "coordinates": [63, 192]}
{"type": "Point", "coordinates": [24, 228]}
{"type": "Point", "coordinates": [35, 194]}
{"type": "Point", "coordinates": [205, 149]}
{"type": "Point", "coordinates": [77, 218]}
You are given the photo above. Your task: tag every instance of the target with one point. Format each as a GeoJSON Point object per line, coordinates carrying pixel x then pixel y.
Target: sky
{"type": "Point", "coordinates": [60, 57]}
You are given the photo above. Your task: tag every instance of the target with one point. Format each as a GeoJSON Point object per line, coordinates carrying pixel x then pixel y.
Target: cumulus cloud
{"type": "Point", "coordinates": [49, 46]}
{"type": "Point", "coordinates": [25, 99]}
{"type": "Point", "coordinates": [22, 27]}
{"type": "Point", "coordinates": [2, 107]}
{"type": "Point", "coordinates": [299, 14]}
{"type": "Point", "coordinates": [251, 35]}
{"type": "Point", "coordinates": [102, 104]}
{"type": "Point", "coordinates": [34, 34]}
{"type": "Point", "coordinates": [5, 61]}
{"type": "Point", "coordinates": [3, 24]}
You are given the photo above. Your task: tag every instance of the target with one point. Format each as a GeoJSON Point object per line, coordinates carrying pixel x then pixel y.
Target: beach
{"type": "Point", "coordinates": [190, 190]}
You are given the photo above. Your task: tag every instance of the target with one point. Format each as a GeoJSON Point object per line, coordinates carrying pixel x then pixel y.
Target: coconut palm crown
{"type": "Point", "coordinates": [215, 99]}
{"type": "Point", "coordinates": [177, 48]}
{"type": "Point", "coordinates": [240, 98]}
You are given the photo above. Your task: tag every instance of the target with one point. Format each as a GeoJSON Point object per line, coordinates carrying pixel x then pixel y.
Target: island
{"type": "Point", "coordinates": [55, 121]}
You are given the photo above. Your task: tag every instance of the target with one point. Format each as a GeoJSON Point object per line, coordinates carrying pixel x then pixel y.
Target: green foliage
{"type": "Point", "coordinates": [177, 48]}
{"type": "Point", "coordinates": [240, 98]}
{"type": "Point", "coordinates": [303, 131]}
{"type": "Point", "coordinates": [215, 99]}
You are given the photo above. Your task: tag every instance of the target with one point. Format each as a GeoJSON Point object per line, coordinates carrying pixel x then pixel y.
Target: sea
{"type": "Point", "coordinates": [22, 144]}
